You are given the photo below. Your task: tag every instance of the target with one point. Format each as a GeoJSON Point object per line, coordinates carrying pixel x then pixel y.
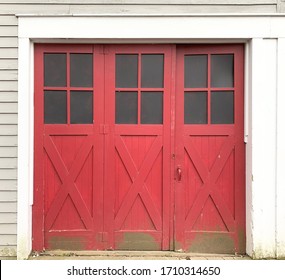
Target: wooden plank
{"type": "Point", "coordinates": [9, 86]}
{"type": "Point", "coordinates": [8, 97]}
{"type": "Point", "coordinates": [8, 196]}
{"type": "Point", "coordinates": [8, 64]}
{"type": "Point", "coordinates": [8, 251]}
{"type": "Point", "coordinates": [8, 163]}
{"type": "Point", "coordinates": [8, 239]}
{"type": "Point", "coordinates": [8, 42]}
{"type": "Point", "coordinates": [8, 31]}
{"type": "Point", "coordinates": [142, 2]}
{"type": "Point", "coordinates": [8, 20]}
{"type": "Point", "coordinates": [9, 108]}
{"type": "Point", "coordinates": [144, 9]}
{"type": "Point", "coordinates": [8, 129]}
{"type": "Point", "coordinates": [8, 75]}
{"type": "Point", "coordinates": [8, 218]}
{"type": "Point", "coordinates": [8, 152]}
{"type": "Point", "coordinates": [8, 185]}
{"type": "Point", "coordinates": [8, 228]}
{"type": "Point", "coordinates": [8, 174]}
{"type": "Point", "coordinates": [9, 141]}
{"type": "Point", "coordinates": [8, 53]}
{"type": "Point", "coordinates": [8, 118]}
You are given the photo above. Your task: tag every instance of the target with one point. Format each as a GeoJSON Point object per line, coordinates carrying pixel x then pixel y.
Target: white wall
{"type": "Point", "coordinates": [265, 89]}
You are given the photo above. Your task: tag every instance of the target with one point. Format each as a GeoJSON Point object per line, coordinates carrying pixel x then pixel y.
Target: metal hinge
{"type": "Point", "coordinates": [104, 129]}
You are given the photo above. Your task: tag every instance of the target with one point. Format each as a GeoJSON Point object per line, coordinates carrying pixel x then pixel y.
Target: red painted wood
{"type": "Point", "coordinates": [110, 186]}
{"type": "Point", "coordinates": [210, 199]}
{"type": "Point", "coordinates": [138, 156]}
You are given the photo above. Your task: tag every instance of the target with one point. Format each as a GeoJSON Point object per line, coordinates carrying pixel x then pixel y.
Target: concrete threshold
{"type": "Point", "coordinates": [130, 255]}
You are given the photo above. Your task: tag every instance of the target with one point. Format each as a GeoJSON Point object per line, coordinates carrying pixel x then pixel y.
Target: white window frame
{"type": "Point", "coordinates": [264, 39]}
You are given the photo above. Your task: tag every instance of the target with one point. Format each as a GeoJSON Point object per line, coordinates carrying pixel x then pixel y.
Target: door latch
{"type": "Point", "coordinates": [178, 173]}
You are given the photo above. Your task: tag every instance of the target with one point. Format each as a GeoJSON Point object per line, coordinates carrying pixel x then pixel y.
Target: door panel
{"type": "Point", "coordinates": [138, 147]}
{"type": "Point", "coordinates": [210, 149]}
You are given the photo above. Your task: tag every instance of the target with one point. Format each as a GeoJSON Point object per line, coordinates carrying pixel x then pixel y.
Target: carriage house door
{"type": "Point", "coordinates": [139, 147]}
{"type": "Point", "coordinates": [210, 175]}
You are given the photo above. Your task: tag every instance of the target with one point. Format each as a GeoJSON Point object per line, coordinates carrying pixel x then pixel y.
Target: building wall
{"type": "Point", "coordinates": [9, 72]}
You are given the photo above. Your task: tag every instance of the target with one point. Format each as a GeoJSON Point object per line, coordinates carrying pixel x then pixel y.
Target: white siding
{"type": "Point", "coordinates": [9, 72]}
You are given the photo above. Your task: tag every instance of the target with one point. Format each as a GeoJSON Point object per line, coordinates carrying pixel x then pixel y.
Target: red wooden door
{"type": "Point", "coordinates": [138, 147]}
{"type": "Point", "coordinates": [68, 178]}
{"type": "Point", "coordinates": [210, 163]}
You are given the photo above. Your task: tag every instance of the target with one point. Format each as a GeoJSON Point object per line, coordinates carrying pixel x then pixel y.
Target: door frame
{"type": "Point", "coordinates": [247, 29]}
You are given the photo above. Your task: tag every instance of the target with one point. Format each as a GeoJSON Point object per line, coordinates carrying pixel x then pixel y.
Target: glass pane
{"type": "Point", "coordinates": [222, 70]}
{"type": "Point", "coordinates": [81, 70]}
{"type": "Point", "coordinates": [222, 107]}
{"type": "Point", "coordinates": [55, 106]}
{"type": "Point", "coordinates": [195, 107]}
{"type": "Point", "coordinates": [55, 70]}
{"type": "Point", "coordinates": [195, 71]}
{"type": "Point", "coordinates": [126, 70]}
{"type": "Point", "coordinates": [126, 107]}
{"type": "Point", "coordinates": [81, 107]}
{"type": "Point", "coordinates": [152, 70]}
{"type": "Point", "coordinates": [152, 107]}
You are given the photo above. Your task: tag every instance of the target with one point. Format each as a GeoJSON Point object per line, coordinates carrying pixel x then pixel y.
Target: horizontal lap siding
{"type": "Point", "coordinates": [9, 72]}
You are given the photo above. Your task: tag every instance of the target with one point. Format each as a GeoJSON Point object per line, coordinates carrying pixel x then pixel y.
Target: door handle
{"type": "Point", "coordinates": [179, 173]}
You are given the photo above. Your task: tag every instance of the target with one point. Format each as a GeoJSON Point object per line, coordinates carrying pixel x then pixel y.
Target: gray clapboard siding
{"type": "Point", "coordinates": [8, 85]}
{"type": "Point", "coordinates": [8, 20]}
{"type": "Point", "coordinates": [8, 196]}
{"type": "Point", "coordinates": [8, 239]}
{"type": "Point", "coordinates": [9, 75]}
{"type": "Point", "coordinates": [8, 207]}
{"type": "Point", "coordinates": [8, 185]}
{"type": "Point", "coordinates": [140, 2]}
{"type": "Point", "coordinates": [7, 97]}
{"type": "Point", "coordinates": [8, 107]}
{"type": "Point", "coordinates": [8, 118]}
{"type": "Point", "coordinates": [7, 173]}
{"type": "Point", "coordinates": [8, 218]}
{"type": "Point", "coordinates": [132, 9]}
{"type": "Point", "coordinates": [7, 228]}
{"type": "Point", "coordinates": [8, 130]}
{"type": "Point", "coordinates": [8, 42]}
{"type": "Point", "coordinates": [8, 152]}
{"type": "Point", "coordinates": [8, 64]}
{"type": "Point", "coordinates": [8, 251]}
{"type": "Point", "coordinates": [8, 31]}
{"type": "Point", "coordinates": [8, 163]}
{"type": "Point", "coordinates": [8, 141]}
{"type": "Point", "coordinates": [8, 52]}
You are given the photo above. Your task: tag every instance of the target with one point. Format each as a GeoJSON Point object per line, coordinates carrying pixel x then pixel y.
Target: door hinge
{"type": "Point", "coordinates": [104, 129]}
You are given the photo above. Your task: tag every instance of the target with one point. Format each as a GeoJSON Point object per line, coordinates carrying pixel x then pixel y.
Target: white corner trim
{"type": "Point", "coordinates": [25, 148]}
